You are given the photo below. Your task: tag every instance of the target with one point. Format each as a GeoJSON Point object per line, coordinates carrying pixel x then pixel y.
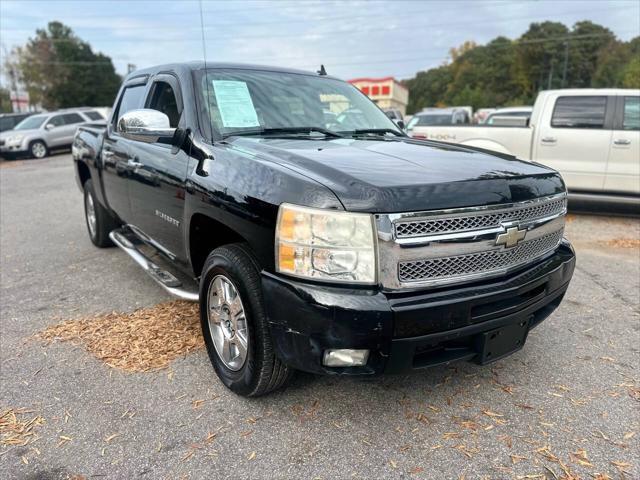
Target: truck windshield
{"type": "Point", "coordinates": [238, 101]}
{"type": "Point", "coordinates": [30, 123]}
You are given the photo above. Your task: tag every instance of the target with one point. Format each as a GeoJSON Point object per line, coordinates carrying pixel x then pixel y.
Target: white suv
{"type": "Point", "coordinates": [36, 135]}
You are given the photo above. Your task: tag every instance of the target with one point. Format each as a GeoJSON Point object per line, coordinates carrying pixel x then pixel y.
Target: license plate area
{"type": "Point", "coordinates": [500, 342]}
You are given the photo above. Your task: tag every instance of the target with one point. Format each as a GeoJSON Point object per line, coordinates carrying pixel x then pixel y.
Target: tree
{"type": "Point", "coordinates": [5, 101]}
{"type": "Point", "coordinates": [60, 70]}
{"type": "Point", "coordinates": [631, 74]}
{"type": "Point", "coordinates": [428, 88]}
{"type": "Point", "coordinates": [512, 72]}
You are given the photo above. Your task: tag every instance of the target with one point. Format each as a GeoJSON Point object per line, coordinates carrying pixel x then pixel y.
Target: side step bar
{"type": "Point", "coordinates": [163, 277]}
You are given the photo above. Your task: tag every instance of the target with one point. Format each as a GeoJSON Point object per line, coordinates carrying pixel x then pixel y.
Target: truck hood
{"type": "Point", "coordinates": [386, 176]}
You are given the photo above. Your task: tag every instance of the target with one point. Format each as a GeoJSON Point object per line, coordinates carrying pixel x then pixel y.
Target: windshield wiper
{"type": "Point", "coordinates": [374, 131]}
{"type": "Point", "coordinates": [285, 130]}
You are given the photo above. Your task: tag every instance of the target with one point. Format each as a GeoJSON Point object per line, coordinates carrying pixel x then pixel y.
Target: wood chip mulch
{"type": "Point", "coordinates": [141, 341]}
{"type": "Point", "coordinates": [624, 243]}
{"type": "Point", "coordinates": [17, 426]}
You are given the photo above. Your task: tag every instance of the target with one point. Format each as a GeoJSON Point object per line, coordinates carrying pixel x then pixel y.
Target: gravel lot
{"type": "Point", "coordinates": [567, 404]}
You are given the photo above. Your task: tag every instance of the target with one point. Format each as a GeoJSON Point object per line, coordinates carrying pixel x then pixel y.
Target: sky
{"type": "Point", "coordinates": [359, 38]}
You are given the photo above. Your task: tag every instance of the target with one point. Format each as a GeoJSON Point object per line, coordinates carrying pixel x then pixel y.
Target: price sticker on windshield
{"type": "Point", "coordinates": [235, 104]}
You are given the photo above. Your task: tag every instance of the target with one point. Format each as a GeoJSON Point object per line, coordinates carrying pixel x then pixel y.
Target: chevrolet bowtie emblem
{"type": "Point", "coordinates": [511, 237]}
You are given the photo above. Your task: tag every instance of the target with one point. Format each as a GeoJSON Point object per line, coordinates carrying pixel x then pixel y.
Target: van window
{"type": "Point", "coordinates": [631, 119]}
{"type": "Point", "coordinates": [163, 99]}
{"type": "Point", "coordinates": [579, 112]}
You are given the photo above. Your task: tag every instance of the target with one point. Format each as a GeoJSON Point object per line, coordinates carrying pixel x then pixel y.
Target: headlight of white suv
{"type": "Point", "coordinates": [15, 139]}
{"type": "Point", "coordinates": [326, 244]}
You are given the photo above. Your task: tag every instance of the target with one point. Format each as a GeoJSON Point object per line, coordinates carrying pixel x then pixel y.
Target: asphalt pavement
{"type": "Point", "coordinates": [567, 404]}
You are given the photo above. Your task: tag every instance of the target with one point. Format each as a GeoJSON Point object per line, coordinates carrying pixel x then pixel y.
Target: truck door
{"type": "Point", "coordinates": [574, 136]}
{"type": "Point", "coordinates": [158, 180]}
{"type": "Point", "coordinates": [115, 152]}
{"type": "Point", "coordinates": [623, 167]}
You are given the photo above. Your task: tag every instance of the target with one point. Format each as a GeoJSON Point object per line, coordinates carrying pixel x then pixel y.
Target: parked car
{"type": "Point", "coordinates": [393, 114]}
{"type": "Point", "coordinates": [591, 136]}
{"type": "Point", "coordinates": [511, 116]}
{"type": "Point", "coordinates": [10, 120]}
{"type": "Point", "coordinates": [436, 116]}
{"type": "Point", "coordinates": [36, 135]}
{"type": "Point", "coordinates": [481, 114]}
{"type": "Point", "coordinates": [312, 245]}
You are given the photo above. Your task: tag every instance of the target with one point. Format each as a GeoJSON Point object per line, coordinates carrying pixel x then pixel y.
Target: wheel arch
{"type": "Point", "coordinates": [83, 172]}
{"type": "Point", "coordinates": [205, 235]}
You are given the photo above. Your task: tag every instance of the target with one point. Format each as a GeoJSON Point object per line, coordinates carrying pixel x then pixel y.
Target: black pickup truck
{"type": "Point", "coordinates": [314, 233]}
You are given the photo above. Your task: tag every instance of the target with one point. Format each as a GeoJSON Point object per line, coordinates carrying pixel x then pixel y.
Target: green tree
{"type": "Point", "coordinates": [587, 43]}
{"type": "Point", "coordinates": [428, 88]}
{"type": "Point", "coordinates": [512, 72]}
{"type": "Point", "coordinates": [540, 58]}
{"type": "Point", "coordinates": [60, 70]}
{"type": "Point", "coordinates": [631, 74]}
{"type": "Point", "coordinates": [5, 101]}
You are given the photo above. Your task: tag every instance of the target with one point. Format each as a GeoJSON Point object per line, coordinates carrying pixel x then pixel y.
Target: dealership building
{"type": "Point", "coordinates": [387, 92]}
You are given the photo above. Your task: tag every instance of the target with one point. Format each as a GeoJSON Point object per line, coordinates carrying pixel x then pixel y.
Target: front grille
{"type": "Point", "coordinates": [476, 221]}
{"type": "Point", "coordinates": [477, 263]}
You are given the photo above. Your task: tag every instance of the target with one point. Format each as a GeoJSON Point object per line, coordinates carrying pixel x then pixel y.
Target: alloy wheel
{"type": "Point", "coordinates": [227, 322]}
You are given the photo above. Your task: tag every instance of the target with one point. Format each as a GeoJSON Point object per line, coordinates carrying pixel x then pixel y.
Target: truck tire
{"type": "Point", "coordinates": [38, 149]}
{"type": "Point", "coordinates": [234, 324]}
{"type": "Point", "coordinates": [99, 221]}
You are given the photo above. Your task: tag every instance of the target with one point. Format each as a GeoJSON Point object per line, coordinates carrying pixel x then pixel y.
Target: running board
{"type": "Point", "coordinates": [125, 240]}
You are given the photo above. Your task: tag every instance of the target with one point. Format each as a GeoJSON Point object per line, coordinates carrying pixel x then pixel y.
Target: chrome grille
{"type": "Point", "coordinates": [478, 263]}
{"type": "Point", "coordinates": [465, 223]}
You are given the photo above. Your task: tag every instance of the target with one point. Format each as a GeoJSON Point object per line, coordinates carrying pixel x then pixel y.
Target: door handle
{"type": "Point", "coordinates": [549, 140]}
{"type": "Point", "coordinates": [622, 141]}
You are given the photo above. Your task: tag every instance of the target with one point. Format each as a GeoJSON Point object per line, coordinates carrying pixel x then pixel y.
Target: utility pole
{"type": "Point", "coordinates": [550, 76]}
{"type": "Point", "coordinates": [566, 61]}
{"type": "Point", "coordinates": [130, 68]}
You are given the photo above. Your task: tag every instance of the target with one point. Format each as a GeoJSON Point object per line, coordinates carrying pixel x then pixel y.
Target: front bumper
{"type": "Point", "coordinates": [406, 331]}
{"type": "Point", "coordinates": [13, 149]}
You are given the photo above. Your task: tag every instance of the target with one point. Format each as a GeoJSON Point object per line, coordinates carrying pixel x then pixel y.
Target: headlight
{"type": "Point", "coordinates": [325, 244]}
{"type": "Point", "coordinates": [15, 138]}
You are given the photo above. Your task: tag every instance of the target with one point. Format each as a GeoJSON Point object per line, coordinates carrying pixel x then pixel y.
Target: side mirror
{"type": "Point", "coordinates": [400, 124]}
{"type": "Point", "coordinates": [146, 125]}
{"type": "Point", "coordinates": [49, 126]}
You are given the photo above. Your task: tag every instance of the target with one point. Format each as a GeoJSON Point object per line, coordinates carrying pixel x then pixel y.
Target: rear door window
{"type": "Point", "coordinates": [579, 112]}
{"type": "Point", "coordinates": [631, 116]}
{"type": "Point", "coordinates": [56, 120]}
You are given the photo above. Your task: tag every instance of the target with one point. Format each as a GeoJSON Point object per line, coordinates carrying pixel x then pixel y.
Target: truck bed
{"type": "Point", "coordinates": [513, 140]}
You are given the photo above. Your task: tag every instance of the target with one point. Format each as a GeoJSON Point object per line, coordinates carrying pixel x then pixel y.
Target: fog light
{"type": "Point", "coordinates": [345, 357]}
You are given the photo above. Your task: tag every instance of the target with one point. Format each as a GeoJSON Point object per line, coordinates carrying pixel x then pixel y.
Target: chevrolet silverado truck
{"type": "Point", "coordinates": [591, 136]}
{"type": "Point", "coordinates": [314, 234]}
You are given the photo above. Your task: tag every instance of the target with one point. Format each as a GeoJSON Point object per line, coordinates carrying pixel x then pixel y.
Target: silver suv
{"type": "Point", "coordinates": [35, 136]}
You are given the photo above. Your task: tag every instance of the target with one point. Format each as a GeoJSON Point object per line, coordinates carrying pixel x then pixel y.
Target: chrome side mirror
{"type": "Point", "coordinates": [49, 126]}
{"type": "Point", "coordinates": [146, 125]}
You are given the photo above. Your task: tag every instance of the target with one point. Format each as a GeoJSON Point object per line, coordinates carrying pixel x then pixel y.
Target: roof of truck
{"type": "Point", "coordinates": [201, 65]}
{"type": "Point", "coordinates": [593, 91]}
